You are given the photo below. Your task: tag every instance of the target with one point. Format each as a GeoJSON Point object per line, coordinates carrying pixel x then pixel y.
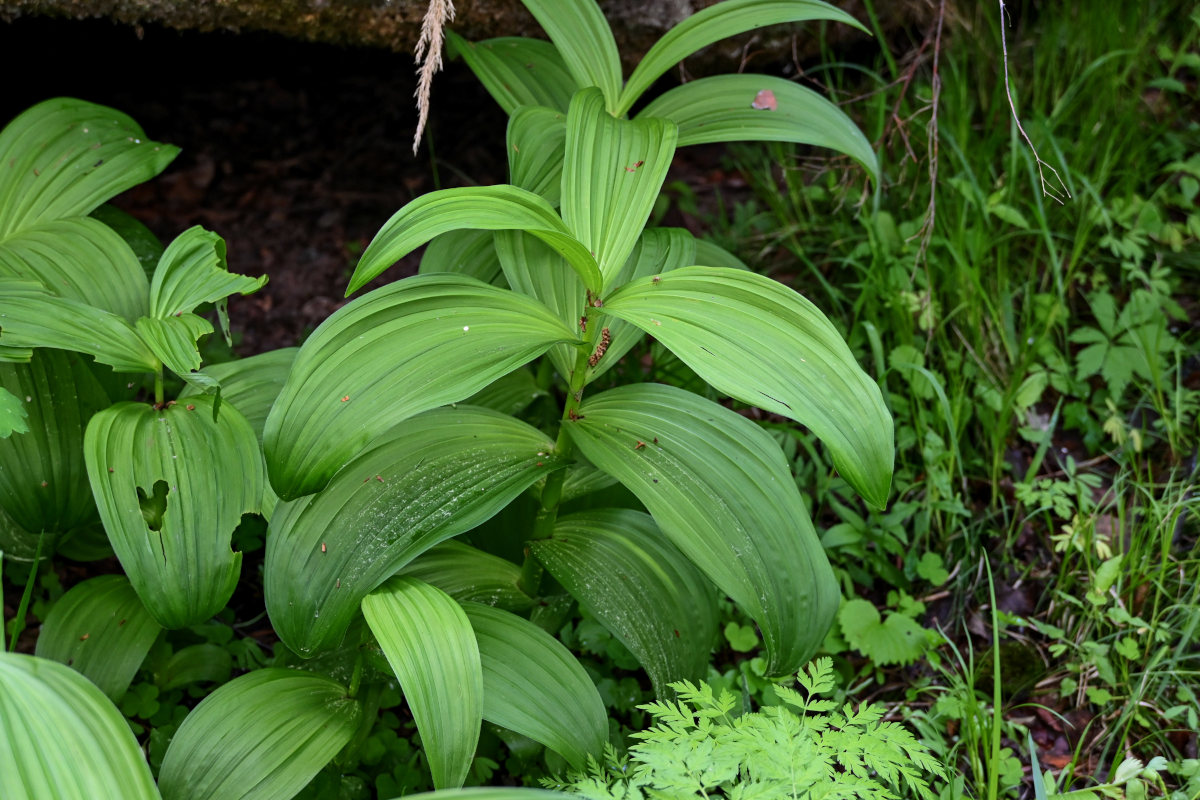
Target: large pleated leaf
{"type": "Point", "coordinates": [534, 686]}
{"type": "Point", "coordinates": [534, 269]}
{"type": "Point", "coordinates": [509, 394]}
{"type": "Point", "coordinates": [61, 738]}
{"type": "Point", "coordinates": [469, 574]}
{"type": "Point", "coordinates": [43, 482]}
{"type": "Point", "coordinates": [399, 350]}
{"type": "Point", "coordinates": [31, 317]}
{"type": "Point", "coordinates": [465, 252]}
{"type": "Point", "coordinates": [81, 259]}
{"type": "Point", "coordinates": [192, 271]}
{"type": "Point", "coordinates": [251, 384]}
{"type": "Point", "coordinates": [101, 629]}
{"type": "Point", "coordinates": [735, 108]}
{"type": "Point", "coordinates": [438, 475]}
{"type": "Point", "coordinates": [658, 250]}
{"type": "Point", "coordinates": [517, 71]}
{"type": "Point", "coordinates": [492, 208]}
{"type": "Point", "coordinates": [713, 255]}
{"type": "Point", "coordinates": [584, 41]}
{"type": "Point", "coordinates": [717, 22]}
{"type": "Point", "coordinates": [757, 340]}
{"type": "Point", "coordinates": [63, 157]}
{"type": "Point", "coordinates": [536, 148]}
{"type": "Point", "coordinates": [621, 568]}
{"type": "Point", "coordinates": [720, 489]}
{"type": "Point", "coordinates": [613, 171]}
{"type": "Point", "coordinates": [171, 485]}
{"type": "Point", "coordinates": [262, 736]}
{"type": "Point", "coordinates": [431, 648]}
{"type": "Point", "coordinates": [174, 342]}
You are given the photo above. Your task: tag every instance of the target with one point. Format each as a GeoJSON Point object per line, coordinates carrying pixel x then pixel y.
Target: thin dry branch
{"type": "Point", "coordinates": [429, 54]}
{"type": "Point", "coordinates": [1047, 189]}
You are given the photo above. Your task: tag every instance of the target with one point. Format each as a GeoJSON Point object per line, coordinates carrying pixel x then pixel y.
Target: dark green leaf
{"type": "Point", "coordinates": [197, 663]}
{"type": "Point", "coordinates": [756, 340]}
{"type": "Point", "coordinates": [469, 574]}
{"type": "Point", "coordinates": [517, 71]}
{"type": "Point", "coordinates": [13, 416]}
{"type": "Point", "coordinates": [622, 569]}
{"type": "Point", "coordinates": [720, 489]}
{"type": "Point", "coordinates": [536, 148]}
{"type": "Point", "coordinates": [101, 629]}
{"type": "Point", "coordinates": [534, 686]}
{"type": "Point", "coordinates": [411, 346]}
{"type": "Point", "coordinates": [251, 384]}
{"type": "Point", "coordinates": [465, 252]}
{"type": "Point", "coordinates": [262, 736]}
{"type": "Point", "coordinates": [438, 475]}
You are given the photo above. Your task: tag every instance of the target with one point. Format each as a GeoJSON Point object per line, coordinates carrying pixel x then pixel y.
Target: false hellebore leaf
{"type": "Point", "coordinates": [517, 71]}
{"type": "Point", "coordinates": [492, 208]}
{"type": "Point", "coordinates": [621, 568]}
{"type": "Point", "coordinates": [536, 148]}
{"type": "Point", "coordinates": [413, 345]}
{"type": "Point", "coordinates": [611, 177]}
{"type": "Point", "coordinates": [584, 42]}
{"type": "Point", "coordinates": [101, 629]}
{"type": "Point", "coordinates": [436, 476]}
{"type": "Point", "coordinates": [722, 109]}
{"type": "Point", "coordinates": [171, 485]}
{"type": "Point", "coordinates": [43, 482]}
{"type": "Point", "coordinates": [431, 648]}
{"type": "Point", "coordinates": [756, 340]}
{"type": "Point", "coordinates": [534, 686]}
{"type": "Point", "coordinates": [262, 736]}
{"type": "Point", "coordinates": [469, 574]}
{"type": "Point", "coordinates": [719, 488]}
{"type": "Point", "coordinates": [61, 737]}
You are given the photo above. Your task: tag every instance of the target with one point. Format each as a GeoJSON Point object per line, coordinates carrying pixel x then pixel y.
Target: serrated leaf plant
{"type": "Point", "coordinates": [380, 451]}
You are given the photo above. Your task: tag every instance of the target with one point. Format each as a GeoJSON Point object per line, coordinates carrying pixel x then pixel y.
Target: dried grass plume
{"type": "Point", "coordinates": [429, 55]}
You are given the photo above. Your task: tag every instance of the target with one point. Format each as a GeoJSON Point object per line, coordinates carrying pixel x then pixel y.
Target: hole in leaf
{"type": "Point", "coordinates": [155, 505]}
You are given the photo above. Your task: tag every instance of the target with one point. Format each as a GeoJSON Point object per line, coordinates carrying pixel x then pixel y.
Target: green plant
{"type": "Point", "coordinates": [805, 747]}
{"type": "Point", "coordinates": [373, 463]}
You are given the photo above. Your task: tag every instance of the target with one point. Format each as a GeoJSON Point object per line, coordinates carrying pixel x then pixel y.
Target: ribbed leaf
{"type": "Point", "coordinates": [251, 384]}
{"type": "Point", "coordinates": [491, 208]}
{"type": "Point", "coordinates": [534, 686]}
{"type": "Point", "coordinates": [465, 252]}
{"type": "Point", "coordinates": [613, 171]}
{"type": "Point", "coordinates": [533, 269]}
{"type": "Point", "coordinates": [722, 109]}
{"type": "Point", "coordinates": [31, 317]}
{"type": "Point", "coordinates": [193, 271]}
{"type": "Point", "coordinates": [262, 736]}
{"type": "Point", "coordinates": [80, 259]}
{"type": "Point", "coordinates": [171, 486]}
{"type": "Point", "coordinates": [431, 647]}
{"type": "Point", "coordinates": [61, 738]}
{"type": "Point", "coordinates": [63, 157]}
{"type": "Point", "coordinates": [756, 340]}
{"type": "Point", "coordinates": [658, 250]}
{"type": "Point", "coordinates": [468, 574]}
{"type": "Point", "coordinates": [536, 148]}
{"type": "Point", "coordinates": [713, 255]}
{"type": "Point", "coordinates": [141, 240]}
{"type": "Point", "coordinates": [584, 41]}
{"type": "Point", "coordinates": [622, 569]}
{"type": "Point", "coordinates": [101, 629]}
{"type": "Point", "coordinates": [399, 350]}
{"type": "Point", "coordinates": [509, 394]}
{"type": "Point", "coordinates": [13, 416]}
{"type": "Point", "coordinates": [517, 71]}
{"type": "Point", "coordinates": [173, 341]}
{"type": "Point", "coordinates": [197, 663]}
{"type": "Point", "coordinates": [436, 476]}
{"type": "Point", "coordinates": [43, 482]}
{"type": "Point", "coordinates": [713, 24]}
{"type": "Point", "coordinates": [720, 489]}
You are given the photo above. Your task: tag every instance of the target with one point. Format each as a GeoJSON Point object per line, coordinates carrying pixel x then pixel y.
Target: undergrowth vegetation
{"type": "Point", "coordinates": [502, 538]}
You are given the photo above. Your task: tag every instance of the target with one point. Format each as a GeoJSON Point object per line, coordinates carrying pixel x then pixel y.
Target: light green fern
{"type": "Point", "coordinates": [806, 749]}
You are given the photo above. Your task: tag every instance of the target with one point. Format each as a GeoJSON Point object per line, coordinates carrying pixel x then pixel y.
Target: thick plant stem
{"type": "Point", "coordinates": [158, 387]}
{"type": "Point", "coordinates": [547, 514]}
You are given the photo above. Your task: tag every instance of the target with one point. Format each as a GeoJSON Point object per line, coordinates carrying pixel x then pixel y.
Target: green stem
{"type": "Point", "coordinates": [564, 448]}
{"type": "Point", "coordinates": [23, 608]}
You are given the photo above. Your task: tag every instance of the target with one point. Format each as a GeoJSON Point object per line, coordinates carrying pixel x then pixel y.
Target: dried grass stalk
{"type": "Point", "coordinates": [429, 55]}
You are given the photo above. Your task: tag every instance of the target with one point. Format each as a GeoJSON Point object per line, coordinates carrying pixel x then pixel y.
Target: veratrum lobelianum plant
{"type": "Point", "coordinates": [379, 450]}
{"type": "Point", "coordinates": [378, 464]}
